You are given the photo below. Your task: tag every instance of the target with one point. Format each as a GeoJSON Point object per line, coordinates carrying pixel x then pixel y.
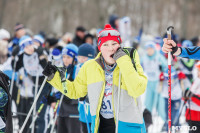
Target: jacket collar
{"type": "Point", "coordinates": [98, 59]}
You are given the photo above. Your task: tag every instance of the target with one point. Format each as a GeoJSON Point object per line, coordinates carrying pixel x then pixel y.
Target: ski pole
{"type": "Point", "coordinates": [36, 116]}
{"type": "Point", "coordinates": [169, 80]}
{"type": "Point", "coordinates": [20, 113]}
{"type": "Point", "coordinates": [54, 112]}
{"type": "Point", "coordinates": [13, 76]}
{"type": "Point", "coordinates": [180, 112]}
{"type": "Point", "coordinates": [34, 103]}
{"type": "Point", "coordinates": [54, 120]}
{"type": "Point", "coordinates": [63, 79]}
{"type": "Point", "coordinates": [118, 102]}
{"type": "Point", "coordinates": [34, 110]}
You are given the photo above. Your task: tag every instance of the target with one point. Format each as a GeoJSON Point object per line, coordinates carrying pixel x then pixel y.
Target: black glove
{"type": "Point", "coordinates": [174, 49]}
{"type": "Point", "coordinates": [119, 53]}
{"type": "Point", "coordinates": [39, 50]}
{"type": "Point", "coordinates": [187, 94]}
{"type": "Point", "coordinates": [49, 70]}
{"type": "Point", "coordinates": [70, 69]}
{"type": "Point", "coordinates": [15, 50]}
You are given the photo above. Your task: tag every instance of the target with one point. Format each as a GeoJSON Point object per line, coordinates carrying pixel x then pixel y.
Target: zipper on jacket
{"type": "Point", "coordinates": [99, 108]}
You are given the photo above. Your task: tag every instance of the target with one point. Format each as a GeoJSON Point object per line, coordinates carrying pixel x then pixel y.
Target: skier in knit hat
{"type": "Point", "coordinates": [32, 61]}
{"type": "Point", "coordinates": [85, 52]}
{"type": "Point", "coordinates": [100, 79]}
{"type": "Point", "coordinates": [68, 114]}
{"type": "Point", "coordinates": [38, 40]}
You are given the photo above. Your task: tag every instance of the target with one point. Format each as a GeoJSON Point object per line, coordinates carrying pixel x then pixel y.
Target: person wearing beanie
{"type": "Point", "coordinates": [153, 64]}
{"type": "Point", "coordinates": [114, 21]}
{"type": "Point", "coordinates": [79, 36]}
{"type": "Point", "coordinates": [68, 114]}
{"type": "Point", "coordinates": [19, 30]}
{"type": "Point", "coordinates": [100, 79]}
{"type": "Point", "coordinates": [30, 63]}
{"type": "Point", "coordinates": [38, 40]}
{"type": "Point", "coordinates": [85, 52]}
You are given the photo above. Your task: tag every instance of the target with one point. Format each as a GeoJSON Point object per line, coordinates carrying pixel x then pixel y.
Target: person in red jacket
{"type": "Point", "coordinates": [193, 104]}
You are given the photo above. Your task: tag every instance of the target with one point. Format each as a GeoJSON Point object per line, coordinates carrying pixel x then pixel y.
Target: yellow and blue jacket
{"type": "Point", "coordinates": [91, 80]}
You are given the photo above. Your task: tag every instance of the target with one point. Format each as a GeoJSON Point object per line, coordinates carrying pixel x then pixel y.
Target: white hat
{"type": "Point", "coordinates": [4, 34]}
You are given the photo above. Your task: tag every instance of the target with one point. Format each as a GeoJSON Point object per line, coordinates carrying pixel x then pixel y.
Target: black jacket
{"type": "Point", "coordinates": [4, 83]}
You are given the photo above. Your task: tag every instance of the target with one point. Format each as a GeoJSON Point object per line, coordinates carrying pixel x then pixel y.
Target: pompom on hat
{"type": "Point", "coordinates": [108, 33]}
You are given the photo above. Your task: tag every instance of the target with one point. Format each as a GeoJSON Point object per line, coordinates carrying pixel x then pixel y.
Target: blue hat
{"type": "Point", "coordinates": [187, 43]}
{"type": "Point", "coordinates": [39, 39]}
{"type": "Point", "coordinates": [25, 41]}
{"type": "Point", "coordinates": [70, 50]}
{"type": "Point", "coordinates": [150, 44]}
{"type": "Point", "coordinates": [86, 50]}
{"type": "Point", "coordinates": [56, 54]}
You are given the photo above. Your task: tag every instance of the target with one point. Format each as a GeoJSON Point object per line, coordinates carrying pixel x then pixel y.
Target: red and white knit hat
{"type": "Point", "coordinates": [108, 33]}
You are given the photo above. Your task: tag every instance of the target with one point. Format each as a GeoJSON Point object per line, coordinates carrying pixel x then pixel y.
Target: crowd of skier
{"type": "Point", "coordinates": [100, 80]}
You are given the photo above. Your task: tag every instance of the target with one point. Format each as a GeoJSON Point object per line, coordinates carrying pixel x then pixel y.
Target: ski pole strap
{"type": "Point", "coordinates": [62, 72]}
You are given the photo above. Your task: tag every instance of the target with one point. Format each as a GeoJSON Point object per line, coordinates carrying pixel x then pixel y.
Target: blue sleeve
{"type": "Point", "coordinates": [190, 52]}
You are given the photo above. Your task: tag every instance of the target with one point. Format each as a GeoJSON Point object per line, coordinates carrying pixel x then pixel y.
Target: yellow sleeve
{"type": "Point", "coordinates": [135, 81]}
{"type": "Point", "coordinates": [76, 88]}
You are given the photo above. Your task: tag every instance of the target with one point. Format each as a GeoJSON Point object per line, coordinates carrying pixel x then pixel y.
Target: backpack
{"type": "Point", "coordinates": [131, 53]}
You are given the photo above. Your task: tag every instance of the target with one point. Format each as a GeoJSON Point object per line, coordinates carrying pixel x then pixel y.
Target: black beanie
{"type": "Point", "coordinates": [86, 50]}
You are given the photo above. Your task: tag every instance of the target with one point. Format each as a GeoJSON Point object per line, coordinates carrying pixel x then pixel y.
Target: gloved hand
{"type": "Point", "coordinates": [181, 75]}
{"type": "Point", "coordinates": [49, 70]}
{"type": "Point", "coordinates": [58, 95]}
{"type": "Point", "coordinates": [119, 53]}
{"type": "Point", "coordinates": [15, 50]}
{"type": "Point", "coordinates": [39, 51]}
{"type": "Point", "coordinates": [161, 76]}
{"type": "Point", "coordinates": [169, 45]}
{"type": "Point", "coordinates": [70, 68]}
{"type": "Point", "coordinates": [187, 94]}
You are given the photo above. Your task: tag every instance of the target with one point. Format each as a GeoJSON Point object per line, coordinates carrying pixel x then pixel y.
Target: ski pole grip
{"type": "Point", "coordinates": [169, 32]}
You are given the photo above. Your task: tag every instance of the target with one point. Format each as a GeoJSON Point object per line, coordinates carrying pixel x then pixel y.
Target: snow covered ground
{"type": "Point", "coordinates": [158, 123]}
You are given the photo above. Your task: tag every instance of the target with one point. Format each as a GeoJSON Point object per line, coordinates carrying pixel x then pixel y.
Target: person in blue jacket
{"type": "Point", "coordinates": [185, 52]}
